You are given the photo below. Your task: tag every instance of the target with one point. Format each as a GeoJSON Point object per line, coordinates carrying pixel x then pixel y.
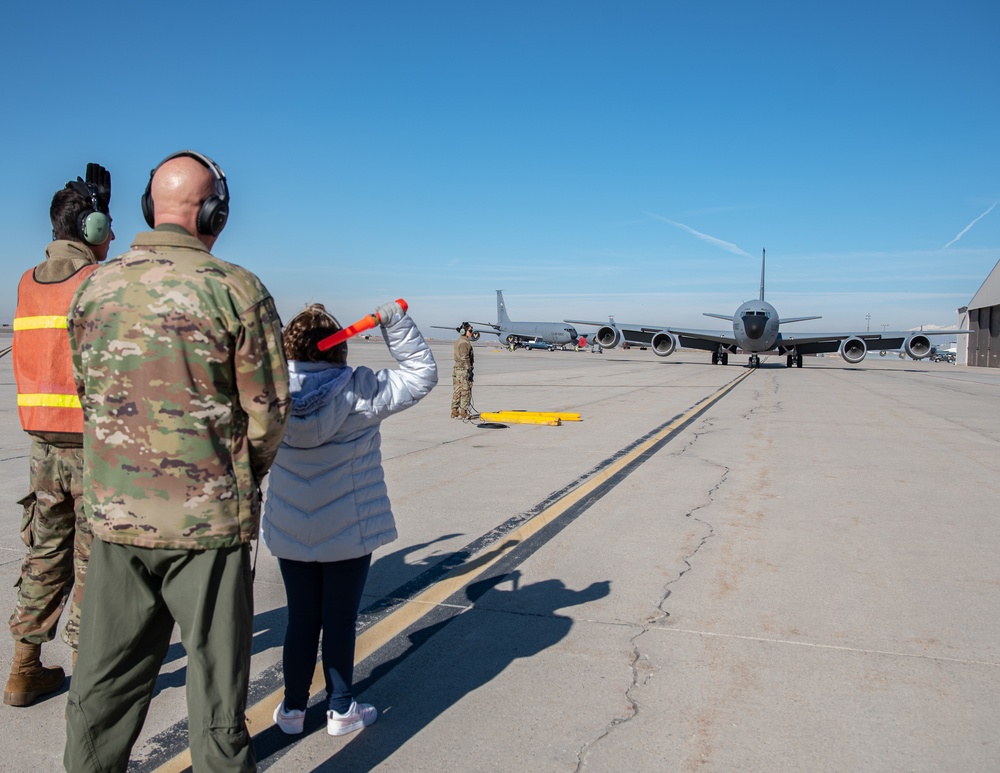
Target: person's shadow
{"type": "Point", "coordinates": [269, 627]}
{"type": "Point", "coordinates": [419, 684]}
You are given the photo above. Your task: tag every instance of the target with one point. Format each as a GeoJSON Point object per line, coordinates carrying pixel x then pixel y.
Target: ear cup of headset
{"type": "Point", "coordinates": [94, 227]}
{"type": "Point", "coordinates": [147, 203]}
{"type": "Point", "coordinates": [212, 216]}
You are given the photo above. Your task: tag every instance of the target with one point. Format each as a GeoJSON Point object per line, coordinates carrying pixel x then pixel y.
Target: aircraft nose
{"type": "Point", "coordinates": [754, 326]}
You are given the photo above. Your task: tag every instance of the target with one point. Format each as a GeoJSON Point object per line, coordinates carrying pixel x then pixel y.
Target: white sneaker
{"type": "Point", "coordinates": [359, 715]}
{"type": "Point", "coordinates": [290, 722]}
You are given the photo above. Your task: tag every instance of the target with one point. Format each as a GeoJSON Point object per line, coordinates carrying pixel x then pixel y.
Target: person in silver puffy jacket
{"type": "Point", "coordinates": [327, 507]}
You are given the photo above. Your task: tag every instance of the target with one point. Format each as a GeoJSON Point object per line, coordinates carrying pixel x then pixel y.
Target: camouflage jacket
{"type": "Point", "coordinates": [464, 356]}
{"type": "Point", "coordinates": [178, 361]}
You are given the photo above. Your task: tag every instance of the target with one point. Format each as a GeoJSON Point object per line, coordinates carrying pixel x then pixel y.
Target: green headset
{"type": "Point", "coordinates": [92, 225]}
{"type": "Point", "coordinates": [214, 211]}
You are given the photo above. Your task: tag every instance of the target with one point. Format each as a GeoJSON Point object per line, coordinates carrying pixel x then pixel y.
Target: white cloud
{"type": "Point", "coordinates": [966, 229]}
{"type": "Point", "coordinates": [728, 246]}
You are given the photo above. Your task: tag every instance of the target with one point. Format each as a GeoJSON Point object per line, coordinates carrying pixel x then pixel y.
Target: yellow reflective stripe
{"type": "Point", "coordinates": [48, 401]}
{"type": "Point", "coordinates": [38, 323]}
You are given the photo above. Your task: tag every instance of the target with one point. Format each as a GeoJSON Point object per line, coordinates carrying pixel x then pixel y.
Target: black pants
{"type": "Point", "coordinates": [322, 596]}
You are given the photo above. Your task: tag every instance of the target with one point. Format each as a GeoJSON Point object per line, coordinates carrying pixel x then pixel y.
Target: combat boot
{"type": "Point", "coordinates": [29, 679]}
{"type": "Point", "coordinates": [464, 414]}
{"type": "Point", "coordinates": [454, 413]}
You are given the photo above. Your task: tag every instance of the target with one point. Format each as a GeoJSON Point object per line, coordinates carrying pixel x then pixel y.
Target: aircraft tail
{"type": "Point", "coordinates": [502, 317]}
{"type": "Point", "coordinates": [762, 254]}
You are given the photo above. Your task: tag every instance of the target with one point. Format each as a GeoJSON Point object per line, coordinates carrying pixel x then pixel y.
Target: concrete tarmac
{"type": "Point", "coordinates": [717, 569]}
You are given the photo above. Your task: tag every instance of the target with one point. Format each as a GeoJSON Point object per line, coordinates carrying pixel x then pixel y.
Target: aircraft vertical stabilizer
{"type": "Point", "coordinates": [762, 255]}
{"type": "Point", "coordinates": [502, 317]}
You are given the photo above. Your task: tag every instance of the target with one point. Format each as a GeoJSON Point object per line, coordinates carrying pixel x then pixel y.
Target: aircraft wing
{"type": "Point", "coordinates": [642, 335]}
{"type": "Point", "coordinates": [622, 326]}
{"type": "Point", "coordinates": [484, 327]}
{"type": "Point", "coordinates": [489, 328]}
{"type": "Point", "coordinates": [823, 343]}
{"type": "Point", "coordinates": [827, 343]}
{"type": "Point", "coordinates": [708, 340]}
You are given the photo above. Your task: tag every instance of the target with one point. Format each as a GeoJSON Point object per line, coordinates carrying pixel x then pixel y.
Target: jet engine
{"type": "Point", "coordinates": [917, 346]}
{"type": "Point", "coordinates": [663, 344]}
{"type": "Point", "coordinates": [853, 350]}
{"type": "Point", "coordinates": [608, 337]}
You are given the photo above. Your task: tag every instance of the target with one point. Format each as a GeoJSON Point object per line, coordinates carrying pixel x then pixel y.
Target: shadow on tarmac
{"type": "Point", "coordinates": [269, 627]}
{"type": "Point", "coordinates": [517, 623]}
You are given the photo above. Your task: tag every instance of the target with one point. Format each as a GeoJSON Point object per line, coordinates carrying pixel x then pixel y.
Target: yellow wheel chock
{"type": "Point", "coordinates": [548, 418]}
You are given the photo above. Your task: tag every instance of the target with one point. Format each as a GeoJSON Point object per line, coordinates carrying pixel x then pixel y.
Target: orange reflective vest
{"type": "Point", "coordinates": [47, 400]}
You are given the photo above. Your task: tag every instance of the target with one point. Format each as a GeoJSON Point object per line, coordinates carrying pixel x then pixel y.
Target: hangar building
{"type": "Point", "coordinates": [983, 315]}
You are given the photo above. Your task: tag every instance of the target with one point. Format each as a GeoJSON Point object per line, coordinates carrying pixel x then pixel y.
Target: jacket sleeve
{"type": "Point", "coordinates": [262, 383]}
{"type": "Point", "coordinates": [397, 390]}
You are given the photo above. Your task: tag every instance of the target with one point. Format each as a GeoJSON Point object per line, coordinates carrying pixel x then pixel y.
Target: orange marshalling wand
{"type": "Point", "coordinates": [365, 323]}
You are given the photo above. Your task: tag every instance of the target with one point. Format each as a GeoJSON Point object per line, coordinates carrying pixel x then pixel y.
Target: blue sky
{"type": "Point", "coordinates": [588, 158]}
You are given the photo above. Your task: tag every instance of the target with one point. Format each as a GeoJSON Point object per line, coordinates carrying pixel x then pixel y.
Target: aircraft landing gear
{"type": "Point", "coordinates": [715, 358]}
{"type": "Point", "coordinates": [793, 361]}
{"type": "Point", "coordinates": [720, 358]}
{"type": "Point", "coordinates": [754, 361]}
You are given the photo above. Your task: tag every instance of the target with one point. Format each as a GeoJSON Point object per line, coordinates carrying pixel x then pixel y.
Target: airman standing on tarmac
{"type": "Point", "coordinates": [461, 377]}
{"type": "Point", "coordinates": [179, 366]}
{"type": "Point", "coordinates": [54, 527]}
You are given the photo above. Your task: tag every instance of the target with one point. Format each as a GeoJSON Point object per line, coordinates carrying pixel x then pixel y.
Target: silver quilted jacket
{"type": "Point", "coordinates": [326, 496]}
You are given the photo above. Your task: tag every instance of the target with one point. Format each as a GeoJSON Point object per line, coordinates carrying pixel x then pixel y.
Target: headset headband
{"type": "Point", "coordinates": [87, 190]}
{"type": "Point", "coordinates": [220, 176]}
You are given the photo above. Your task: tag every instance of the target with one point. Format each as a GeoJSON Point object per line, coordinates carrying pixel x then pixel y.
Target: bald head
{"type": "Point", "coordinates": [178, 188]}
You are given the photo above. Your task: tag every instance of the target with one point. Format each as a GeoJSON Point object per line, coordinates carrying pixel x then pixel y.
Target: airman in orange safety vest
{"type": "Point", "coordinates": [54, 527]}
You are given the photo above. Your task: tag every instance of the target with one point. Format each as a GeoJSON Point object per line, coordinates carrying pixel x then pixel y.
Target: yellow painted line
{"type": "Point", "coordinates": [373, 638]}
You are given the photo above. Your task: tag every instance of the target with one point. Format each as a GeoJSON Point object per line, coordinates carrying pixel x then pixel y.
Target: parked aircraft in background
{"type": "Point", "coordinates": [518, 333]}
{"type": "Point", "coordinates": [756, 329]}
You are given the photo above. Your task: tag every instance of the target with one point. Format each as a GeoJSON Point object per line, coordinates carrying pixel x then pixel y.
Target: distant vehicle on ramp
{"type": "Point", "coordinates": [538, 343]}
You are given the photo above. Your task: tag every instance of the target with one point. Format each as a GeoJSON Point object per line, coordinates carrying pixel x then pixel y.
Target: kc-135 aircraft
{"type": "Point", "coordinates": [516, 333]}
{"type": "Point", "coordinates": [756, 329]}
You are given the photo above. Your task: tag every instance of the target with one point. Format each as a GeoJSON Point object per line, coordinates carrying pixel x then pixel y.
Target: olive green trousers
{"type": "Point", "coordinates": [133, 598]}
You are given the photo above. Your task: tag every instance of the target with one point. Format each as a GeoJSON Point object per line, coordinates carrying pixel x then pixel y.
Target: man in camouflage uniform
{"type": "Point", "coordinates": [184, 385]}
{"type": "Point", "coordinates": [461, 375]}
{"type": "Point", "coordinates": [54, 527]}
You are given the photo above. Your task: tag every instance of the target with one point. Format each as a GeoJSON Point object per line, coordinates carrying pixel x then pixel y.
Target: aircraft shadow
{"type": "Point", "coordinates": [419, 684]}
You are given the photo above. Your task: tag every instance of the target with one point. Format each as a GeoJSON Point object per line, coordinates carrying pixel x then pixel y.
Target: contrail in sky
{"type": "Point", "coordinates": [729, 247]}
{"type": "Point", "coordinates": [966, 229]}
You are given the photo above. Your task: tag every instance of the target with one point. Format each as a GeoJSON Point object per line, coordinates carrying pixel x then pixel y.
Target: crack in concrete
{"type": "Point", "coordinates": [641, 673]}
